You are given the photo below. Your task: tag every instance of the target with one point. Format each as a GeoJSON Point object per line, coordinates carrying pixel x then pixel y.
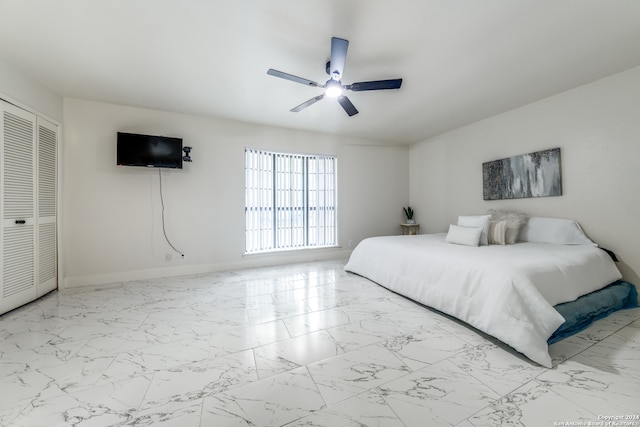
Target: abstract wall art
{"type": "Point", "coordinates": [528, 175]}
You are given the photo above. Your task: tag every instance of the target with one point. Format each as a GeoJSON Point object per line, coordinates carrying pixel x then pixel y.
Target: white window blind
{"type": "Point", "coordinates": [290, 201]}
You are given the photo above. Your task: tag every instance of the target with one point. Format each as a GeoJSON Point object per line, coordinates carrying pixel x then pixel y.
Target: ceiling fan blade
{"type": "Point", "coordinates": [375, 85]}
{"type": "Point", "coordinates": [347, 105]}
{"type": "Point", "coordinates": [276, 73]}
{"type": "Point", "coordinates": [307, 103]}
{"type": "Point", "coordinates": [338, 57]}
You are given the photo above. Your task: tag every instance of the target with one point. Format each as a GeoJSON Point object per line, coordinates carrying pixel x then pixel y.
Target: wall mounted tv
{"type": "Point", "coordinates": [149, 151]}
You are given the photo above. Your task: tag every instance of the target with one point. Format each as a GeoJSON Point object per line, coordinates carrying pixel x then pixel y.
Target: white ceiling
{"type": "Point", "coordinates": [461, 60]}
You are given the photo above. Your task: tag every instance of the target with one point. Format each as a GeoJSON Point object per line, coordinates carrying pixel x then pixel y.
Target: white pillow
{"type": "Point", "coordinates": [477, 221]}
{"type": "Point", "coordinates": [554, 230]}
{"type": "Point", "coordinates": [469, 236]}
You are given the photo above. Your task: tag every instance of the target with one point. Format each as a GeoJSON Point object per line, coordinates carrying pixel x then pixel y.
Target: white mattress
{"type": "Point", "coordinates": [505, 291]}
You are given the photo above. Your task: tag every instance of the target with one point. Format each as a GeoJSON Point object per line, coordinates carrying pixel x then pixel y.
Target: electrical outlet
{"type": "Point", "coordinates": [350, 243]}
{"type": "Point", "coordinates": [167, 257]}
{"type": "Point", "coordinates": [183, 257]}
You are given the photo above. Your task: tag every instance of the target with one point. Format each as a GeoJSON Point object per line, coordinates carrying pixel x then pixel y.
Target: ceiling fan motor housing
{"type": "Point", "coordinates": [333, 88]}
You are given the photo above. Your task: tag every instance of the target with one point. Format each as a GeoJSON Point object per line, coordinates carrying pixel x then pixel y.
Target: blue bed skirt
{"type": "Point", "coordinates": [579, 314]}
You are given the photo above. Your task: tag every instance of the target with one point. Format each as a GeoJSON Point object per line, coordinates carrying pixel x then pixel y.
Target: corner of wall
{"type": "Point", "coordinates": [27, 93]}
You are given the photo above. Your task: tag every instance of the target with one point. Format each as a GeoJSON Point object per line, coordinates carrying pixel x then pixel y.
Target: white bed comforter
{"type": "Point", "coordinates": [505, 291]}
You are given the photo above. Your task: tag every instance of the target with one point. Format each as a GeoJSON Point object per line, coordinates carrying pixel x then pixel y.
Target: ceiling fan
{"type": "Point", "coordinates": [333, 88]}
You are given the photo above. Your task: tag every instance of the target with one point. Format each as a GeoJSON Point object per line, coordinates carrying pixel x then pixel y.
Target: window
{"type": "Point", "coordinates": [290, 201]}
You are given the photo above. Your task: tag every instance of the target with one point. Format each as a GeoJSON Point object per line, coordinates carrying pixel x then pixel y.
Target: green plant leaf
{"type": "Point", "coordinates": [408, 212]}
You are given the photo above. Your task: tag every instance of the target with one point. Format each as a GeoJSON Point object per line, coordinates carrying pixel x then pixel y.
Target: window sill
{"type": "Point", "coordinates": [291, 250]}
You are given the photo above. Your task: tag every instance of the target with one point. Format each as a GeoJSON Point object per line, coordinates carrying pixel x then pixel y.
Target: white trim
{"type": "Point", "coordinates": [288, 250]}
{"type": "Point", "coordinates": [259, 260]}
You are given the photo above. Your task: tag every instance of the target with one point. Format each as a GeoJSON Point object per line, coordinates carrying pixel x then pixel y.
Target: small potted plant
{"type": "Point", "coordinates": [409, 213]}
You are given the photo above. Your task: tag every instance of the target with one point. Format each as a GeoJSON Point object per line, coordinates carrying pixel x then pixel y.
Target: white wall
{"type": "Point", "coordinates": [18, 88]}
{"type": "Point", "coordinates": [596, 126]}
{"type": "Point", "coordinates": [111, 229]}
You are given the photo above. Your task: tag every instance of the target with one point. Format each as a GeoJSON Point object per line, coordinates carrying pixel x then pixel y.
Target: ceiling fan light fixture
{"type": "Point", "coordinates": [333, 89]}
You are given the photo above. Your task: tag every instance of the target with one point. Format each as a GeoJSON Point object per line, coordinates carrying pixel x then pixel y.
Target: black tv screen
{"type": "Point", "coordinates": [149, 151]}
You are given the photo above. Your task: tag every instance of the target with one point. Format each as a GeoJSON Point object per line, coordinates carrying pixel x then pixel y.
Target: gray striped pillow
{"type": "Point", "coordinates": [497, 233]}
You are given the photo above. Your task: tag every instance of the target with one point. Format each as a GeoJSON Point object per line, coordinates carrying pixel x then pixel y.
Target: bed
{"type": "Point", "coordinates": [505, 290]}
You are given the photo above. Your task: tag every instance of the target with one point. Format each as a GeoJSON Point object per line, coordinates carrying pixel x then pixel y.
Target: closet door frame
{"type": "Point", "coordinates": [20, 228]}
{"type": "Point", "coordinates": [47, 207]}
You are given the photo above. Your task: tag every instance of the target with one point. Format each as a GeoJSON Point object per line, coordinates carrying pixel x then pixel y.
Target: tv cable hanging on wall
{"type": "Point", "coordinates": [164, 231]}
{"type": "Point", "coordinates": [156, 152]}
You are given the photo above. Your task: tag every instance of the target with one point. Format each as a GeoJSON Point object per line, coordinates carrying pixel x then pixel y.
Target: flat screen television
{"type": "Point", "coordinates": [149, 151]}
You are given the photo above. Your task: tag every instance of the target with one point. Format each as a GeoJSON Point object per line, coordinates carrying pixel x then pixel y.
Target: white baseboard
{"type": "Point", "coordinates": [252, 261]}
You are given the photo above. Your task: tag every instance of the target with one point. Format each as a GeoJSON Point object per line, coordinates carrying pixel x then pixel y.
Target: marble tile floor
{"type": "Point", "coordinates": [296, 345]}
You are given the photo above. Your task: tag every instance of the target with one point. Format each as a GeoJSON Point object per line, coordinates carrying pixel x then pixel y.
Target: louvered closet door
{"type": "Point", "coordinates": [17, 192]}
{"type": "Point", "coordinates": [47, 138]}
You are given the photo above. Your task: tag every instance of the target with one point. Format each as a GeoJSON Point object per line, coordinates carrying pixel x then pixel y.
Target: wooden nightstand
{"type": "Point", "coordinates": [410, 229]}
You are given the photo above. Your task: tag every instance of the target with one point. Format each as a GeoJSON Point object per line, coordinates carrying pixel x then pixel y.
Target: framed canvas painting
{"type": "Point", "coordinates": [528, 175]}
